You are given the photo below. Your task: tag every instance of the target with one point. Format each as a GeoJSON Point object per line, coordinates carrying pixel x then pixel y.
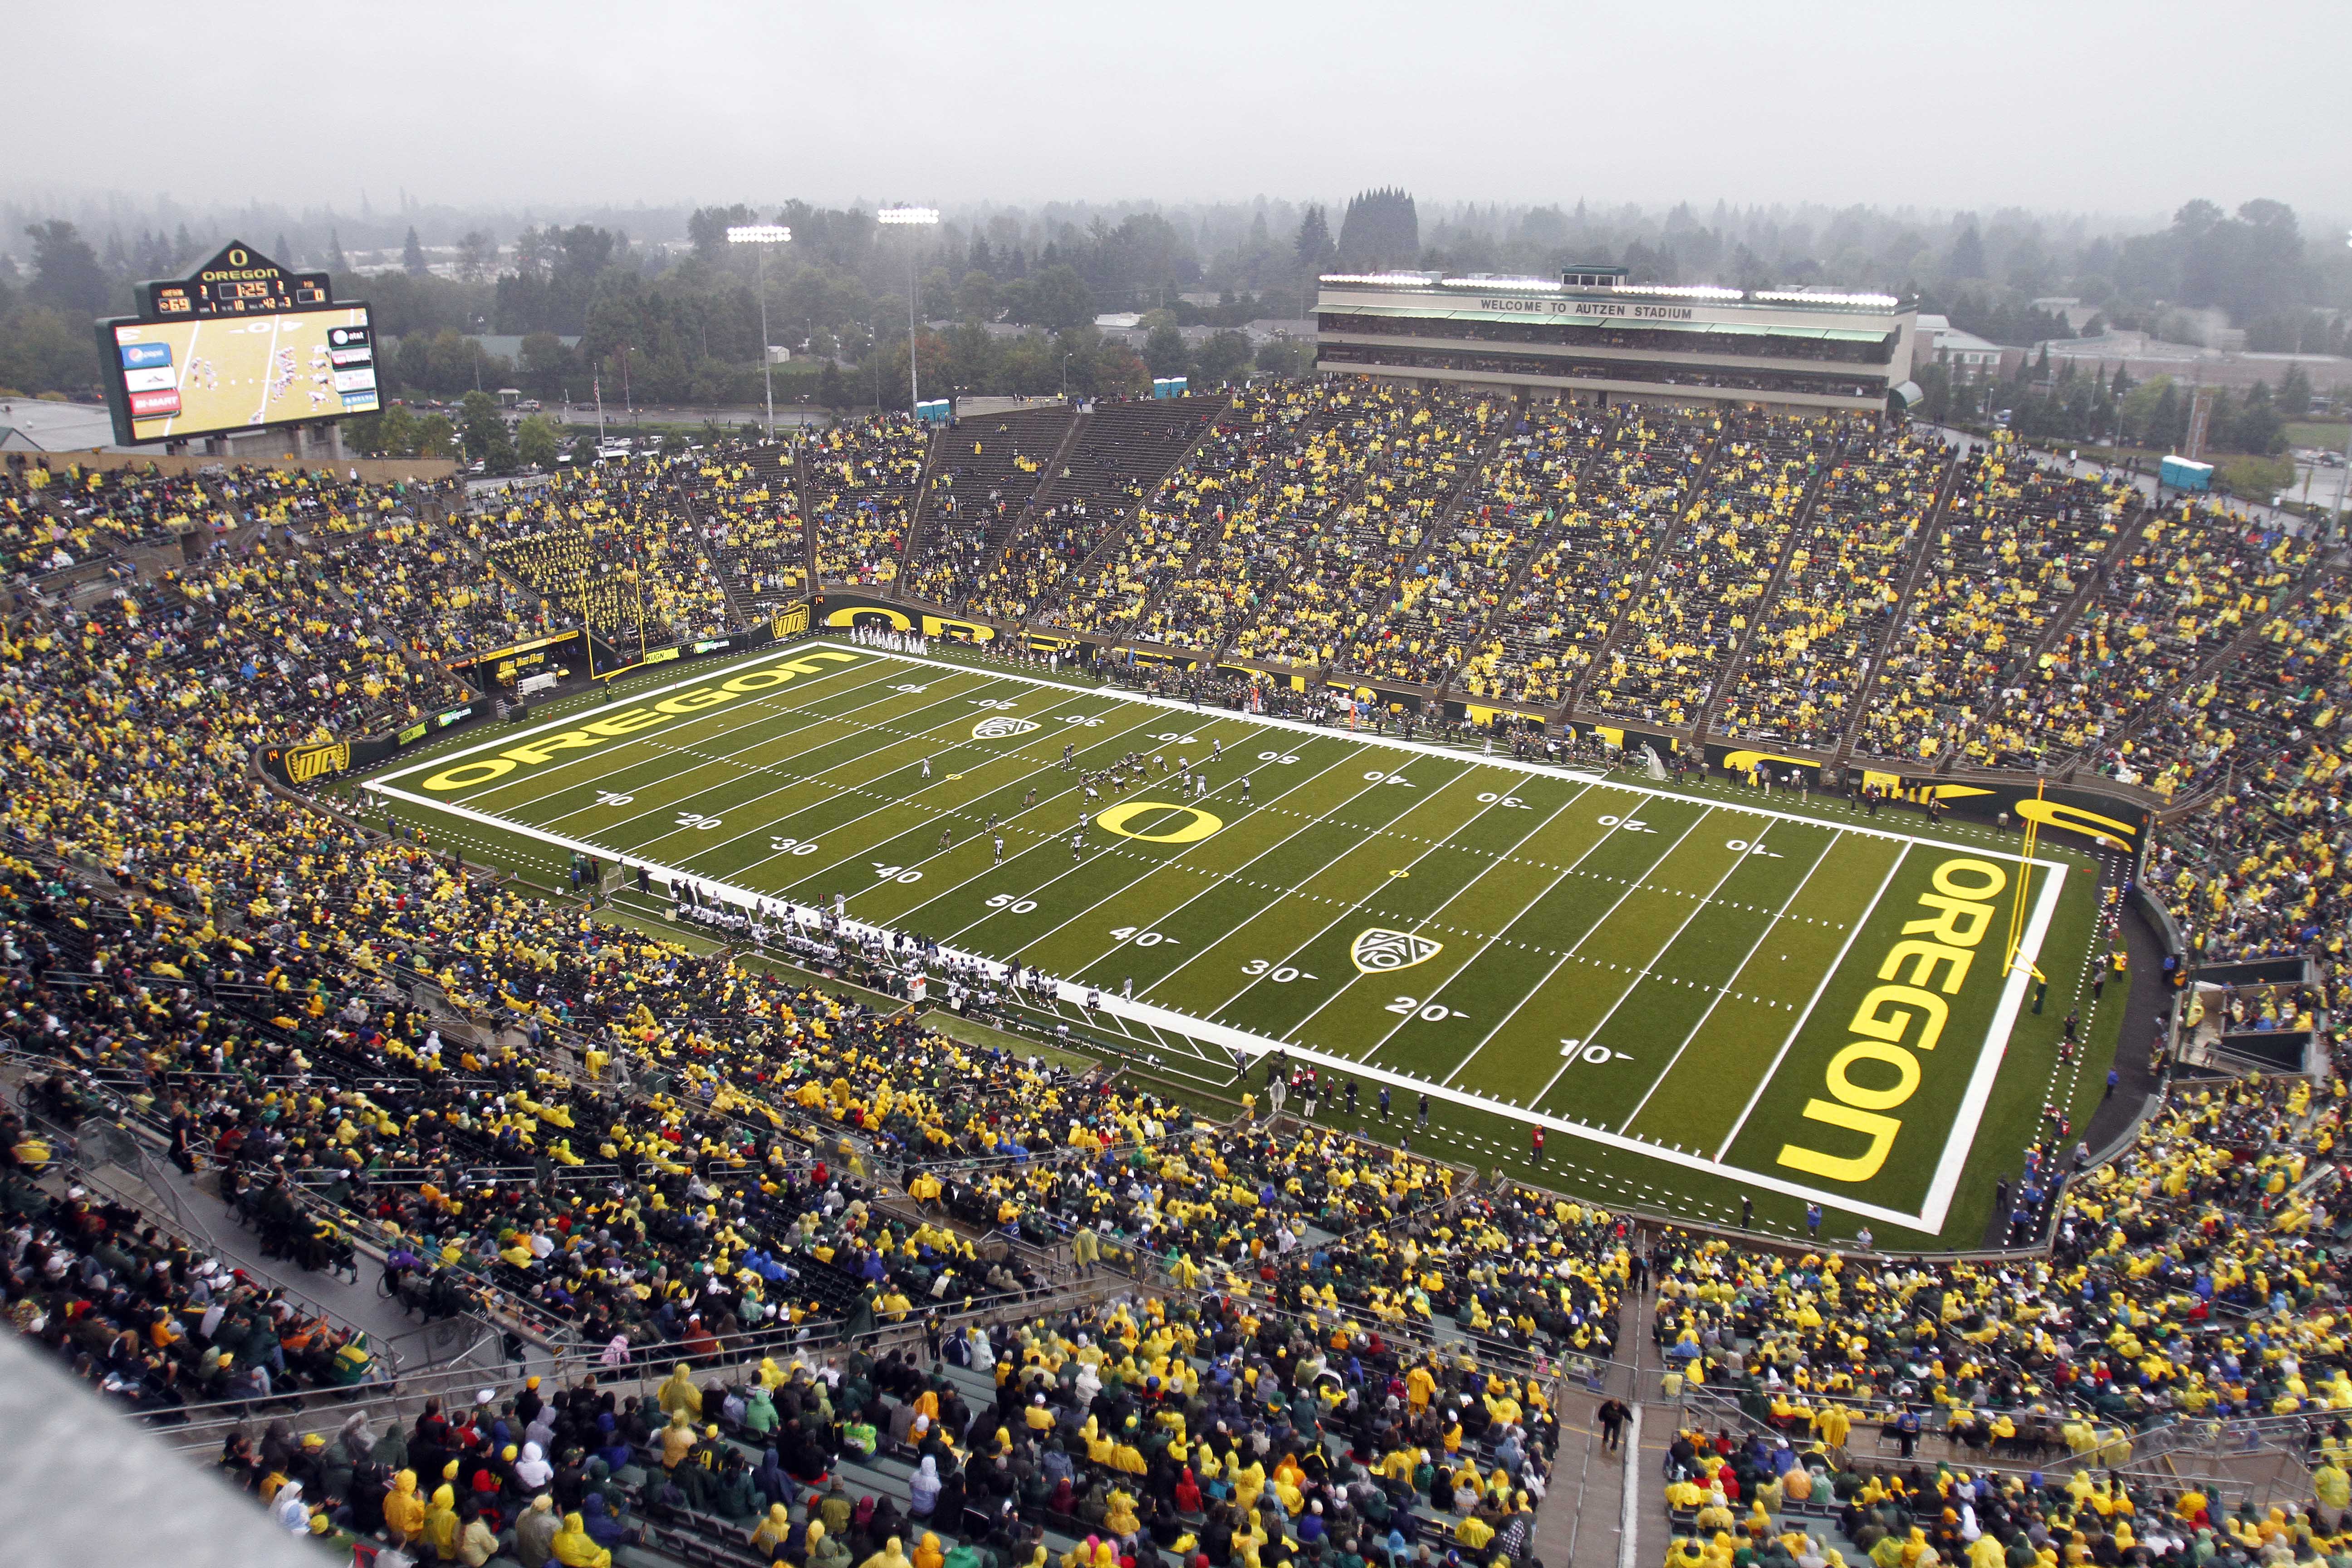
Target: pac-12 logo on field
{"type": "Point", "coordinates": [1001, 726]}
{"type": "Point", "coordinates": [1378, 950]}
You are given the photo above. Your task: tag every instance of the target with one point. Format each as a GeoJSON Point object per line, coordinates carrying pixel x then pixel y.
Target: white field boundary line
{"type": "Point", "coordinates": [710, 674]}
{"type": "Point", "coordinates": [1820, 985]}
{"type": "Point", "coordinates": [1233, 1040]}
{"type": "Point", "coordinates": [1263, 720]}
{"type": "Point", "coordinates": [1239, 1040]}
{"type": "Point", "coordinates": [1988, 1054]}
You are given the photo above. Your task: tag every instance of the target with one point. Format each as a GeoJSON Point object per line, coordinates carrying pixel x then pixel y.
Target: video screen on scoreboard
{"type": "Point", "coordinates": [185, 379]}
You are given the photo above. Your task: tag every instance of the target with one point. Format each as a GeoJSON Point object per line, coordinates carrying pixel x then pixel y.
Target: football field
{"type": "Point", "coordinates": [1753, 990]}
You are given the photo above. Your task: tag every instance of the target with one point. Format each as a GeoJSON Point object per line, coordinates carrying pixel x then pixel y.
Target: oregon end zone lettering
{"type": "Point", "coordinates": [1901, 1019]}
{"type": "Point", "coordinates": [543, 749]}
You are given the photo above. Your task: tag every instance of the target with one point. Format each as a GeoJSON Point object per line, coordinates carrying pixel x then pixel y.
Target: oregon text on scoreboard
{"type": "Point", "coordinates": [1593, 333]}
{"type": "Point", "coordinates": [242, 345]}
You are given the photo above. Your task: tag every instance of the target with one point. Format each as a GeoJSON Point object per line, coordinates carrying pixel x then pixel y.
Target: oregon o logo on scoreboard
{"type": "Point", "coordinates": [1201, 824]}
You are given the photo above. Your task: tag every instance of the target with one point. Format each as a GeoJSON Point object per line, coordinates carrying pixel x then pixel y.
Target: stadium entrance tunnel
{"type": "Point", "coordinates": [1188, 825]}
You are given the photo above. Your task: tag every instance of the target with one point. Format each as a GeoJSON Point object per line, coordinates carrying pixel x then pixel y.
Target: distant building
{"type": "Point", "coordinates": [509, 345]}
{"type": "Point", "coordinates": [1594, 335]}
{"type": "Point", "coordinates": [1273, 329]}
{"type": "Point", "coordinates": [1119, 320]}
{"type": "Point", "coordinates": [1967, 356]}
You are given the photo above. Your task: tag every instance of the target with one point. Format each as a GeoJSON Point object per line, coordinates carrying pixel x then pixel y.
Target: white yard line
{"type": "Point", "coordinates": [1371, 785]}
{"type": "Point", "coordinates": [1217, 880]}
{"type": "Point", "coordinates": [1352, 911]}
{"type": "Point", "coordinates": [910, 799]}
{"type": "Point", "coordinates": [1050, 838]}
{"type": "Point", "coordinates": [1456, 897]}
{"type": "Point", "coordinates": [699, 761]}
{"type": "Point", "coordinates": [1724, 990]}
{"type": "Point", "coordinates": [1794, 1029]}
{"type": "Point", "coordinates": [811, 719]}
{"type": "Point", "coordinates": [1639, 881]}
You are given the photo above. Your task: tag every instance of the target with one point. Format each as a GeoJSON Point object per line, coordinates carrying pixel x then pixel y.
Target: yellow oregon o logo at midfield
{"type": "Point", "coordinates": [1203, 822]}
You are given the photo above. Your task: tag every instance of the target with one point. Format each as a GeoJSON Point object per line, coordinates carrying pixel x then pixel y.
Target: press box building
{"type": "Point", "coordinates": [1594, 336]}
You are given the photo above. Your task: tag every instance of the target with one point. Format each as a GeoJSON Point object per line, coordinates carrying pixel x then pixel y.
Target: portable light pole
{"type": "Point", "coordinates": [904, 217]}
{"type": "Point", "coordinates": [761, 236]}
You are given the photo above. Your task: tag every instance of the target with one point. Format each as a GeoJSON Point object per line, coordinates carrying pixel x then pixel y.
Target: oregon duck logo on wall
{"type": "Point", "coordinates": [304, 763]}
{"type": "Point", "coordinates": [1379, 949]}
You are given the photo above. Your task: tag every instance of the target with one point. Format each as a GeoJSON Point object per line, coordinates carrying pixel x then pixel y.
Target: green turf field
{"type": "Point", "coordinates": [1699, 994]}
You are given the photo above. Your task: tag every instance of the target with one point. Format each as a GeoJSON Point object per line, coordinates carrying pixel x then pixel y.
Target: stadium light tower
{"type": "Point", "coordinates": [763, 235]}
{"type": "Point", "coordinates": [908, 216]}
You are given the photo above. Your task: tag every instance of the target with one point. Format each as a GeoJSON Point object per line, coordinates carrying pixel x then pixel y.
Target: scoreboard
{"type": "Point", "coordinates": [242, 345]}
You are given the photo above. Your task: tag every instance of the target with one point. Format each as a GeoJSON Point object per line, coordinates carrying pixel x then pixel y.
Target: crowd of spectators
{"type": "Point", "coordinates": [2195, 1279]}
{"type": "Point", "coordinates": [860, 483]}
{"type": "Point", "coordinates": [1259, 432]}
{"type": "Point", "coordinates": [1120, 454]}
{"type": "Point", "coordinates": [663, 1152]}
{"type": "Point", "coordinates": [1430, 628]}
{"type": "Point", "coordinates": [987, 472]}
{"type": "Point", "coordinates": [747, 506]}
{"type": "Point", "coordinates": [613, 545]}
{"type": "Point", "coordinates": [1542, 641]}
{"type": "Point", "coordinates": [1815, 643]}
{"type": "Point", "coordinates": [1678, 637]}
{"type": "Point", "coordinates": [2019, 538]}
{"type": "Point", "coordinates": [1348, 564]}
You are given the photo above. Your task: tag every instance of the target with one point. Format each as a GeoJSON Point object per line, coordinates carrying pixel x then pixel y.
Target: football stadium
{"type": "Point", "coordinates": [1497, 918]}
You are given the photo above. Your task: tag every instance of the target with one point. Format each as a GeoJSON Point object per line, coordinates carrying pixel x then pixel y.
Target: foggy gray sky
{"type": "Point", "coordinates": [2114, 106]}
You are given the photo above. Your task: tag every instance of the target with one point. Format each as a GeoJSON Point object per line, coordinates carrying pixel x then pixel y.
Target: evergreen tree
{"type": "Point", "coordinates": [1313, 248]}
{"type": "Point", "coordinates": [412, 255]}
{"type": "Point", "coordinates": [1968, 255]}
{"type": "Point", "coordinates": [1381, 229]}
{"type": "Point", "coordinates": [335, 251]}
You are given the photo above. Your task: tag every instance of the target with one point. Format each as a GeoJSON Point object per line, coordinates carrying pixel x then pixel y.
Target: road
{"type": "Point", "coordinates": [585, 414]}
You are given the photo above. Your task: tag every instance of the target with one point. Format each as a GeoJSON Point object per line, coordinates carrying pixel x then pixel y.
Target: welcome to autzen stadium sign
{"type": "Point", "coordinates": [1609, 309]}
